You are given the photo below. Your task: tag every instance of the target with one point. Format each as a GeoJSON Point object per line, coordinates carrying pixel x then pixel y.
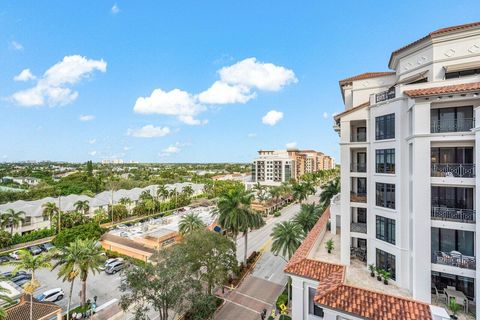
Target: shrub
{"type": "Point", "coordinates": [137, 262]}
{"type": "Point", "coordinates": [84, 231]}
{"type": "Point", "coordinates": [282, 299]}
{"type": "Point", "coordinates": [277, 214]}
{"type": "Point", "coordinates": [31, 236]}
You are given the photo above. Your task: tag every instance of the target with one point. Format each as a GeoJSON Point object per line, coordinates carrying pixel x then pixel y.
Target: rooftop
{"type": "Point", "coordinates": [41, 310]}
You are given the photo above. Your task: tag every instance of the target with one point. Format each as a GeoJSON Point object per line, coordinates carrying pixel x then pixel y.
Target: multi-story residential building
{"type": "Point", "coordinates": [408, 141]}
{"type": "Point", "coordinates": [272, 167]}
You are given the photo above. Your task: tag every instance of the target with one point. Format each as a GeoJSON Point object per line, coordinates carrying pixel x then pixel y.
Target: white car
{"type": "Point", "coordinates": [110, 262]}
{"type": "Point", "coordinates": [52, 295]}
{"type": "Point", "coordinates": [14, 255]}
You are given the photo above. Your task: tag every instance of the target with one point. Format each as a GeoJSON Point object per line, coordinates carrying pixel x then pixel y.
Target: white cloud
{"type": "Point", "coordinates": [272, 117]}
{"type": "Point", "coordinates": [127, 148]}
{"type": "Point", "coordinates": [291, 145]}
{"type": "Point", "coordinates": [325, 115]}
{"type": "Point", "coordinates": [92, 153]}
{"type": "Point", "coordinates": [170, 150]}
{"type": "Point", "coordinates": [92, 141]}
{"type": "Point", "coordinates": [176, 102]}
{"type": "Point", "coordinates": [251, 135]}
{"type": "Point", "coordinates": [51, 88]}
{"type": "Point", "coordinates": [86, 117]}
{"type": "Point", "coordinates": [149, 131]}
{"type": "Point", "coordinates": [252, 73]}
{"type": "Point", "coordinates": [25, 75]}
{"type": "Point", "coordinates": [115, 9]}
{"type": "Point", "coordinates": [16, 45]}
{"type": "Point", "coordinates": [224, 93]}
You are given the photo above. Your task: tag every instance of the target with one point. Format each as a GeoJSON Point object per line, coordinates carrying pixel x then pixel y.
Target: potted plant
{"type": "Point", "coordinates": [371, 267]}
{"type": "Point", "coordinates": [379, 273]}
{"type": "Point", "coordinates": [385, 276]}
{"type": "Point", "coordinates": [329, 246]}
{"type": "Point", "coordinates": [454, 307]}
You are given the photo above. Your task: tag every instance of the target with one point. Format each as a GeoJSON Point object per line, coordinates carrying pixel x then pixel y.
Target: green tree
{"type": "Point", "coordinates": [164, 286]}
{"type": "Point", "coordinates": [90, 168]}
{"type": "Point", "coordinates": [4, 299]}
{"type": "Point", "coordinates": [212, 260]}
{"type": "Point", "coordinates": [300, 192]}
{"type": "Point", "coordinates": [84, 231]}
{"type": "Point", "coordinates": [329, 190]}
{"type": "Point", "coordinates": [12, 219]}
{"type": "Point", "coordinates": [31, 263]}
{"type": "Point", "coordinates": [188, 190]}
{"type": "Point", "coordinates": [190, 223]}
{"type": "Point", "coordinates": [235, 215]}
{"type": "Point", "coordinates": [307, 217]}
{"type": "Point", "coordinates": [287, 237]}
{"type": "Point", "coordinates": [5, 239]}
{"type": "Point", "coordinates": [100, 215]}
{"type": "Point", "coordinates": [69, 268]}
{"type": "Point", "coordinates": [50, 210]}
{"type": "Point", "coordinates": [82, 206]}
{"type": "Point", "coordinates": [162, 192]}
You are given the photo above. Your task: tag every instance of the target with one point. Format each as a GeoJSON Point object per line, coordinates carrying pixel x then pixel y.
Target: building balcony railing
{"type": "Point", "coordinates": [452, 125]}
{"type": "Point", "coordinates": [358, 197]}
{"type": "Point", "coordinates": [358, 167]}
{"type": "Point", "coordinates": [454, 170]}
{"type": "Point", "coordinates": [358, 227]}
{"type": "Point", "coordinates": [359, 137]}
{"type": "Point", "coordinates": [454, 259]}
{"type": "Point", "coordinates": [453, 214]}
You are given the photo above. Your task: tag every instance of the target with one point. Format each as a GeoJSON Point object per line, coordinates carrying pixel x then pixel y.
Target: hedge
{"type": "Point", "coordinates": [84, 231]}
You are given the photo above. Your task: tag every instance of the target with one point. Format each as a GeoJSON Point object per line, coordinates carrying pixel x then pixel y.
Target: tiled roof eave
{"type": "Point", "coordinates": [451, 89]}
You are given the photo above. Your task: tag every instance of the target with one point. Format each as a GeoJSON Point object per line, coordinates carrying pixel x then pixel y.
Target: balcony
{"type": "Point", "coordinates": [453, 214]}
{"type": "Point", "coordinates": [454, 259]}
{"type": "Point", "coordinates": [453, 170]}
{"type": "Point", "coordinates": [358, 137]}
{"type": "Point", "coordinates": [358, 197]}
{"type": "Point", "coordinates": [358, 227]}
{"type": "Point", "coordinates": [452, 125]}
{"type": "Point", "coordinates": [358, 167]}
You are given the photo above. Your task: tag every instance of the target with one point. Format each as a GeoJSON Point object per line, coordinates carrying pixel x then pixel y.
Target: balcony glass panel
{"type": "Point", "coordinates": [452, 119]}
{"type": "Point", "coordinates": [453, 248]}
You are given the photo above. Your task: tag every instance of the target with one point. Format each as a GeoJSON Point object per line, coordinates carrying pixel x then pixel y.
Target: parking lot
{"type": "Point", "coordinates": [102, 285]}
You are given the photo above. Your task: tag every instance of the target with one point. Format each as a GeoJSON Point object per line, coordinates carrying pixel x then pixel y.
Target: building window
{"type": "Point", "coordinates": [385, 127]}
{"type": "Point", "coordinates": [385, 229]}
{"type": "Point", "coordinates": [385, 160]}
{"type": "Point", "coordinates": [386, 261]}
{"type": "Point", "coordinates": [463, 73]}
{"type": "Point", "coordinates": [385, 195]}
{"type": "Point", "coordinates": [448, 240]}
{"type": "Point", "coordinates": [312, 307]}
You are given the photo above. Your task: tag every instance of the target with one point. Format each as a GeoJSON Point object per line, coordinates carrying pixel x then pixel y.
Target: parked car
{"type": "Point", "coordinates": [14, 255]}
{"type": "Point", "coordinates": [20, 280]}
{"type": "Point", "coordinates": [47, 246]}
{"type": "Point", "coordinates": [109, 262]}
{"type": "Point", "coordinates": [9, 274]}
{"type": "Point", "coordinates": [115, 267]}
{"type": "Point", "coordinates": [4, 259]}
{"type": "Point", "coordinates": [51, 295]}
{"type": "Point", "coordinates": [35, 250]}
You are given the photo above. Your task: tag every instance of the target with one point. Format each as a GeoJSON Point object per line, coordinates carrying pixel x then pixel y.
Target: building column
{"type": "Point", "coordinates": [477, 202]}
{"type": "Point", "coordinates": [297, 298]}
{"type": "Point", "coordinates": [345, 216]}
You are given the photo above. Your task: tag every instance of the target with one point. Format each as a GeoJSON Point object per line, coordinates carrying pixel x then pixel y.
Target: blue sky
{"type": "Point", "coordinates": [273, 60]}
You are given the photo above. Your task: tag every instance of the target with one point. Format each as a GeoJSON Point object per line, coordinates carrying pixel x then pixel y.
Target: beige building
{"type": "Point", "coordinates": [272, 167]}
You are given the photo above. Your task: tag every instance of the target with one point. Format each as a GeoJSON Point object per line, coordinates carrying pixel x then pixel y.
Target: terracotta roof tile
{"type": "Point", "coordinates": [366, 75]}
{"type": "Point", "coordinates": [332, 293]}
{"type": "Point", "coordinates": [434, 34]}
{"type": "Point", "coordinates": [41, 310]}
{"type": "Point", "coordinates": [373, 305]}
{"type": "Point", "coordinates": [457, 88]}
{"type": "Point", "coordinates": [344, 113]}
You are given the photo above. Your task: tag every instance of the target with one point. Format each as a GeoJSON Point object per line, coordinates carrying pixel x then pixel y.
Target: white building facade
{"type": "Point", "coordinates": [272, 167]}
{"type": "Point", "coordinates": [408, 156]}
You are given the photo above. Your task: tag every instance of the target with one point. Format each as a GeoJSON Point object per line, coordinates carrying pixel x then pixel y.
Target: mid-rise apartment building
{"type": "Point", "coordinates": [272, 167]}
{"type": "Point", "coordinates": [408, 148]}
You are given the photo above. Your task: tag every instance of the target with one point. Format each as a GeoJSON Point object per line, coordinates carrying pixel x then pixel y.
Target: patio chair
{"type": "Point", "coordinates": [439, 295]}
{"type": "Point", "coordinates": [451, 288]}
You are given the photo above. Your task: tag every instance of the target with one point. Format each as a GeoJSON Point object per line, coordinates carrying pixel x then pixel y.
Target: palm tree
{"type": "Point", "coordinates": [31, 263]}
{"type": "Point", "coordinates": [190, 223]}
{"type": "Point", "coordinates": [287, 237]}
{"type": "Point", "coordinates": [126, 202]}
{"type": "Point", "coordinates": [300, 192]}
{"type": "Point", "coordinates": [68, 261]}
{"type": "Point", "coordinates": [235, 215]}
{"type": "Point", "coordinates": [307, 217]}
{"type": "Point", "coordinates": [329, 190]}
{"type": "Point", "coordinates": [12, 219]}
{"type": "Point", "coordinates": [188, 190]}
{"type": "Point", "coordinates": [310, 187]}
{"type": "Point", "coordinates": [49, 210]}
{"type": "Point", "coordinates": [162, 192]}
{"type": "Point", "coordinates": [88, 258]}
{"type": "Point", "coordinates": [276, 192]}
{"type": "Point", "coordinates": [82, 206]}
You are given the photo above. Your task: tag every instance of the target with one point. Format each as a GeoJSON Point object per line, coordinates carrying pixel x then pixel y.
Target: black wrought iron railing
{"type": "Point", "coordinates": [454, 259]}
{"type": "Point", "coordinates": [453, 214]}
{"type": "Point", "coordinates": [454, 170]}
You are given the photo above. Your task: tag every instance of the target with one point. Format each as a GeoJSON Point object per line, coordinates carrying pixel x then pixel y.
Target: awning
{"type": "Point", "coordinates": [413, 78]}
{"type": "Point", "coordinates": [462, 66]}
